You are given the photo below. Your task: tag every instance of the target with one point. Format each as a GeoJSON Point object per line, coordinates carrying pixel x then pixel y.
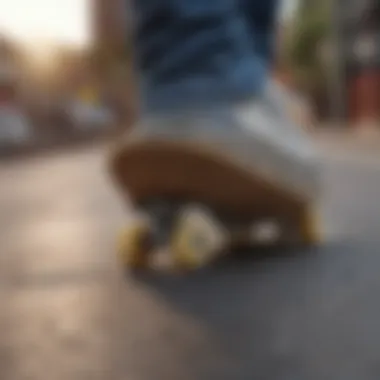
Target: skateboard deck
{"type": "Point", "coordinates": [166, 169]}
{"type": "Point", "coordinates": [216, 199]}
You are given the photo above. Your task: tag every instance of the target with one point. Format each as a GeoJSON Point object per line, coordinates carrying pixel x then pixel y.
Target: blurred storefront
{"type": "Point", "coordinates": [109, 18]}
{"type": "Point", "coordinates": [15, 127]}
{"type": "Point", "coordinates": [360, 35]}
{"type": "Point", "coordinates": [112, 65]}
{"type": "Point", "coordinates": [9, 73]}
{"type": "Point", "coordinates": [109, 30]}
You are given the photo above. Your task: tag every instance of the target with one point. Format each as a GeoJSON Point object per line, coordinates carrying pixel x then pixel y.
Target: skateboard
{"type": "Point", "coordinates": [197, 205]}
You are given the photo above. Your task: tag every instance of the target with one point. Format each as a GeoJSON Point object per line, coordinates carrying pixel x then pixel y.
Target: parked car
{"type": "Point", "coordinates": [15, 128]}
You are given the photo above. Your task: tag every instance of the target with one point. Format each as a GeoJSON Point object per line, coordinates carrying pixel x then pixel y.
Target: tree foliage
{"type": "Point", "coordinates": [309, 32]}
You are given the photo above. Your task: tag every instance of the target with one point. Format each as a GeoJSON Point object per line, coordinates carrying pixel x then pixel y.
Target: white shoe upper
{"type": "Point", "coordinates": [257, 135]}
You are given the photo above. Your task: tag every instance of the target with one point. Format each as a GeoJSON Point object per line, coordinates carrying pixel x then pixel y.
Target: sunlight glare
{"type": "Point", "coordinates": [52, 21]}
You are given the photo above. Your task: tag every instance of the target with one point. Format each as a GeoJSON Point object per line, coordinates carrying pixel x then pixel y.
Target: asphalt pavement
{"type": "Point", "coordinates": [67, 311]}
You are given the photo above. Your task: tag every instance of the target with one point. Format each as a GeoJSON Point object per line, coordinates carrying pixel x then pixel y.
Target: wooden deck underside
{"type": "Point", "coordinates": [168, 170]}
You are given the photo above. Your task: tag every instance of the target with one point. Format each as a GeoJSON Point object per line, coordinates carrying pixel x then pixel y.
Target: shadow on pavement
{"type": "Point", "coordinates": [259, 279]}
{"type": "Point", "coordinates": [276, 315]}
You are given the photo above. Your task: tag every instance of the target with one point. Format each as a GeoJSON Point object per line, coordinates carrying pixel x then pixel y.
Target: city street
{"type": "Point", "coordinates": [68, 313]}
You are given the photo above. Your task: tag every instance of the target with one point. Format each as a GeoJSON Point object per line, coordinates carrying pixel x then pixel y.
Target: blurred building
{"type": "Point", "coordinates": [359, 22]}
{"type": "Point", "coordinates": [109, 27]}
{"type": "Point", "coordinates": [111, 42]}
{"type": "Point", "coordinates": [9, 72]}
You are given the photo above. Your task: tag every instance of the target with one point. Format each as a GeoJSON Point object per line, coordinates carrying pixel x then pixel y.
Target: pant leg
{"type": "Point", "coordinates": [261, 18]}
{"type": "Point", "coordinates": [196, 53]}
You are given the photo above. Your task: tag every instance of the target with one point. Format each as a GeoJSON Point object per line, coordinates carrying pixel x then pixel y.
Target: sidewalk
{"type": "Point", "coordinates": [359, 136]}
{"type": "Point", "coordinates": [42, 147]}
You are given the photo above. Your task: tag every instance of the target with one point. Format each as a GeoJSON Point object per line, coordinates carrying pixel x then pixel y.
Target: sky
{"type": "Point", "coordinates": [62, 21]}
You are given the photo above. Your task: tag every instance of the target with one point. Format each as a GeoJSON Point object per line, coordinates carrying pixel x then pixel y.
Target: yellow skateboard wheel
{"type": "Point", "coordinates": [134, 245]}
{"type": "Point", "coordinates": [196, 240]}
{"type": "Point", "coordinates": [310, 227]}
{"type": "Point", "coordinates": [187, 252]}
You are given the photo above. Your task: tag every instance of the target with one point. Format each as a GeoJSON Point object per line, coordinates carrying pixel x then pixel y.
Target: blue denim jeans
{"type": "Point", "coordinates": [197, 53]}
